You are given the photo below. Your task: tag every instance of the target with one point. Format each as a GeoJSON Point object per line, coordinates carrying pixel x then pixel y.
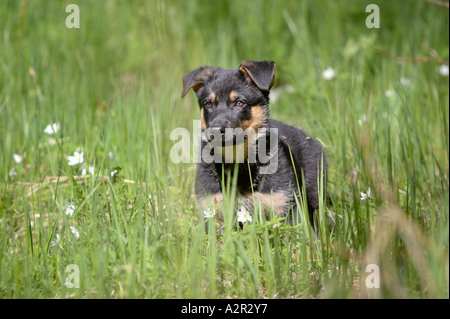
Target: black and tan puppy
{"type": "Point", "coordinates": [234, 110]}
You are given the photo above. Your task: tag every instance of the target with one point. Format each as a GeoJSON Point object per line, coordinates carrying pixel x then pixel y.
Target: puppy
{"type": "Point", "coordinates": [275, 162]}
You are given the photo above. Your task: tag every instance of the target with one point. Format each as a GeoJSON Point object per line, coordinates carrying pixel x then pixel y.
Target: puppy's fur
{"type": "Point", "coordinates": [239, 98]}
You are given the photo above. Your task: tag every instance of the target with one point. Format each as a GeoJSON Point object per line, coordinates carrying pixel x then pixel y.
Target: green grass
{"type": "Point", "coordinates": [114, 85]}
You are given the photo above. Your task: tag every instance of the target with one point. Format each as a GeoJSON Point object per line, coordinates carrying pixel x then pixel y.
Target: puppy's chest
{"type": "Point", "coordinates": [248, 178]}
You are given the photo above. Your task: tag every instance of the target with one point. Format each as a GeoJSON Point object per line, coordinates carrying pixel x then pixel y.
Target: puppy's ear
{"type": "Point", "coordinates": [196, 79]}
{"type": "Point", "coordinates": [261, 73]}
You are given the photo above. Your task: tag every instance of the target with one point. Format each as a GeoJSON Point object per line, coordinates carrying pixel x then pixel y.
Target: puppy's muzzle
{"type": "Point", "coordinates": [224, 136]}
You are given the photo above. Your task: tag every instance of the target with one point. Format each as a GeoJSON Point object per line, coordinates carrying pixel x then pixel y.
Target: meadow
{"type": "Point", "coordinates": [125, 216]}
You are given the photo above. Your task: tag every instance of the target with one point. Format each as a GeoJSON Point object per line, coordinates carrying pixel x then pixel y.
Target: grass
{"type": "Point", "coordinates": [114, 86]}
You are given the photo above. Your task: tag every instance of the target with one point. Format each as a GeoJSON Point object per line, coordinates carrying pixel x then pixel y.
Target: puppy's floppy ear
{"type": "Point", "coordinates": [196, 79]}
{"type": "Point", "coordinates": [261, 73]}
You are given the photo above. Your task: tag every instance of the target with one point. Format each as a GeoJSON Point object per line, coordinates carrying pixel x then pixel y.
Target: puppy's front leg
{"type": "Point", "coordinates": [276, 202]}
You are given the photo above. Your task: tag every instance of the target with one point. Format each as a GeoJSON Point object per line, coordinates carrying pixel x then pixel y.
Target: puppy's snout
{"type": "Point", "coordinates": [220, 124]}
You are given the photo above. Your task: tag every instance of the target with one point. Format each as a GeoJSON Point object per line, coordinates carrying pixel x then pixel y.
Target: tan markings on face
{"type": "Point", "coordinates": [239, 153]}
{"type": "Point", "coordinates": [212, 96]}
{"type": "Point", "coordinates": [202, 120]}
{"type": "Point", "coordinates": [277, 202]}
{"type": "Point", "coordinates": [257, 119]}
{"type": "Point", "coordinates": [235, 153]}
{"type": "Point", "coordinates": [233, 96]}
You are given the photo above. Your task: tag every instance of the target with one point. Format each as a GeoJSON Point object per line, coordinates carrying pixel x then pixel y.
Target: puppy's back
{"type": "Point", "coordinates": [307, 154]}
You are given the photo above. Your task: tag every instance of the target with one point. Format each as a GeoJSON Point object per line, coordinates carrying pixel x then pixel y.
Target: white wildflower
{"type": "Point", "coordinates": [365, 196]}
{"type": "Point", "coordinates": [52, 128]}
{"type": "Point", "coordinates": [244, 215]}
{"type": "Point", "coordinates": [114, 172]}
{"type": "Point", "coordinates": [12, 173]}
{"type": "Point", "coordinates": [75, 232]}
{"type": "Point", "coordinates": [70, 208]}
{"type": "Point", "coordinates": [208, 213]}
{"type": "Point", "coordinates": [443, 70]}
{"type": "Point", "coordinates": [362, 120]}
{"type": "Point", "coordinates": [389, 93]}
{"type": "Point", "coordinates": [55, 242]}
{"type": "Point", "coordinates": [328, 74]}
{"type": "Point", "coordinates": [90, 170]}
{"type": "Point", "coordinates": [405, 81]}
{"type": "Point", "coordinates": [17, 158]}
{"type": "Point", "coordinates": [77, 158]}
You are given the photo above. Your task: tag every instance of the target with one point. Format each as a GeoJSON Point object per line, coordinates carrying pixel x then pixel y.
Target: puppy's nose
{"type": "Point", "coordinates": [220, 124]}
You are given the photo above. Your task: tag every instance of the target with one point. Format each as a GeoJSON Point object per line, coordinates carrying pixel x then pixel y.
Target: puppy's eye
{"type": "Point", "coordinates": [239, 103]}
{"type": "Point", "coordinates": [208, 104]}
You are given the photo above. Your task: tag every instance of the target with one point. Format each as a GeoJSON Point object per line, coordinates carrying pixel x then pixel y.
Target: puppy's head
{"type": "Point", "coordinates": [232, 98]}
